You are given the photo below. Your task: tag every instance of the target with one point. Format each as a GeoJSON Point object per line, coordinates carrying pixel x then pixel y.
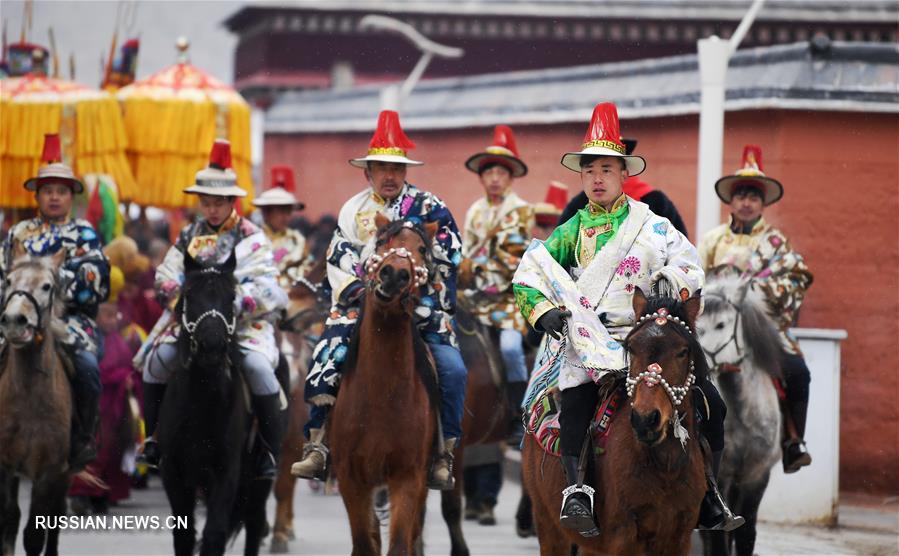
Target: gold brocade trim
{"type": "Point", "coordinates": [365, 224]}
{"type": "Point", "coordinates": [538, 311]}
{"type": "Point", "coordinates": [394, 151]}
{"type": "Point", "coordinates": [494, 149]}
{"type": "Point", "coordinates": [604, 143]}
{"type": "Point", "coordinates": [597, 209]}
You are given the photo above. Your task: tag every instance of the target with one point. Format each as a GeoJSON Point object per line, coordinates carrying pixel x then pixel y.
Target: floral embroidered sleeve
{"type": "Point", "coordinates": [170, 276]}
{"type": "Point", "coordinates": [446, 250]}
{"type": "Point", "coordinates": [85, 277]}
{"type": "Point", "coordinates": [561, 245]}
{"type": "Point", "coordinates": [343, 264]}
{"type": "Point", "coordinates": [783, 278]}
{"type": "Point", "coordinates": [258, 294]}
{"type": "Point", "coordinates": [683, 269]}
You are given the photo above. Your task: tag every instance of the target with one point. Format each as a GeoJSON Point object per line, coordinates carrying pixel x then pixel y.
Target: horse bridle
{"type": "Point", "coordinates": [652, 376]}
{"type": "Point", "coordinates": [191, 326]}
{"type": "Point", "coordinates": [37, 307]}
{"type": "Point", "coordinates": [734, 337]}
{"type": "Point", "coordinates": [377, 261]}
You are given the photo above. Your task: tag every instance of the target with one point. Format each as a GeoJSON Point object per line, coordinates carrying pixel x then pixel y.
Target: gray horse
{"type": "Point", "coordinates": [744, 349]}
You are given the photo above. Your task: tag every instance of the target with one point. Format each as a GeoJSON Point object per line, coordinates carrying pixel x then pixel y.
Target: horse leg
{"type": "Point", "coordinates": [183, 501]}
{"type": "Point", "coordinates": [751, 498]}
{"type": "Point", "coordinates": [57, 498]}
{"type": "Point", "coordinates": [549, 535]}
{"type": "Point", "coordinates": [524, 515]}
{"type": "Point", "coordinates": [358, 504]}
{"type": "Point", "coordinates": [451, 507]}
{"type": "Point", "coordinates": [255, 516]}
{"type": "Point", "coordinates": [44, 506]}
{"type": "Point", "coordinates": [407, 499]}
{"type": "Point", "coordinates": [9, 513]}
{"type": "Point", "coordinates": [219, 505]}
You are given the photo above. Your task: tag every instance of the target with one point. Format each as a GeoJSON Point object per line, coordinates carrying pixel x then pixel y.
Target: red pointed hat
{"type": "Point", "coordinates": [751, 175]}
{"type": "Point", "coordinates": [603, 138]}
{"type": "Point", "coordinates": [280, 192]}
{"type": "Point", "coordinates": [503, 151]}
{"type": "Point", "coordinates": [388, 144]}
{"type": "Point", "coordinates": [547, 212]}
{"type": "Point", "coordinates": [53, 169]}
{"type": "Point", "coordinates": [218, 178]}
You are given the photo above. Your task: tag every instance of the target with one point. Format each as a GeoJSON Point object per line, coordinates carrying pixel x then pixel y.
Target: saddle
{"type": "Point", "coordinates": [543, 419]}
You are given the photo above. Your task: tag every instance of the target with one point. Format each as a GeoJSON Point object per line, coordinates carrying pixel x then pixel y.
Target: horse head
{"type": "Point", "coordinates": [207, 310]}
{"type": "Point", "coordinates": [734, 326]}
{"type": "Point", "coordinates": [401, 263]}
{"type": "Point", "coordinates": [665, 361]}
{"type": "Point", "coordinates": [31, 296]}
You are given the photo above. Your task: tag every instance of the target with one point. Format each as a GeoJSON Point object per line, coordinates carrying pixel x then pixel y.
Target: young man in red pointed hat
{"type": "Point", "coordinates": [389, 194]}
{"type": "Point", "coordinates": [761, 252]}
{"type": "Point", "coordinates": [210, 240]}
{"type": "Point", "coordinates": [497, 229]}
{"type": "Point", "coordinates": [581, 283]}
{"type": "Point", "coordinates": [278, 204]}
{"type": "Point", "coordinates": [84, 280]}
{"type": "Point", "coordinates": [637, 189]}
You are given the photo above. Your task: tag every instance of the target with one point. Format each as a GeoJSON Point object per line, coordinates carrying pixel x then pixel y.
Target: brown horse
{"type": "Point", "coordinates": [650, 482]}
{"type": "Point", "coordinates": [306, 314]}
{"type": "Point", "coordinates": [384, 424]}
{"type": "Point", "coordinates": [35, 404]}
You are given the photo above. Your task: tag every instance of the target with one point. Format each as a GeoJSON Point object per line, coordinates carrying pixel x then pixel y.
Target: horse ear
{"type": "Point", "coordinates": [431, 230]}
{"type": "Point", "coordinates": [639, 302]}
{"type": "Point", "coordinates": [381, 221]}
{"type": "Point", "coordinates": [692, 306]}
{"type": "Point", "coordinates": [230, 264]}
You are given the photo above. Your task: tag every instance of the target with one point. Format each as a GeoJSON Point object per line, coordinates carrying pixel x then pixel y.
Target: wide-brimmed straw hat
{"type": "Point", "coordinates": [388, 144]}
{"type": "Point", "coordinates": [281, 191]}
{"type": "Point", "coordinates": [750, 175]}
{"type": "Point", "coordinates": [603, 138]}
{"type": "Point", "coordinates": [503, 151]}
{"type": "Point", "coordinates": [218, 178]}
{"type": "Point", "coordinates": [53, 170]}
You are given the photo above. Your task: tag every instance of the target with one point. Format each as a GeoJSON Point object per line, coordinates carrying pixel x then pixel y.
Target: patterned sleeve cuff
{"type": "Point", "coordinates": [346, 284]}
{"type": "Point", "coordinates": [538, 311]}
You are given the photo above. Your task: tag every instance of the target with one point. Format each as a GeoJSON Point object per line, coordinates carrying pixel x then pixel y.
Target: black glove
{"type": "Point", "coordinates": [552, 322]}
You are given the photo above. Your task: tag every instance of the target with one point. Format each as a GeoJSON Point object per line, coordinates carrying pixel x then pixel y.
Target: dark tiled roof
{"type": "Point", "coordinates": [834, 76]}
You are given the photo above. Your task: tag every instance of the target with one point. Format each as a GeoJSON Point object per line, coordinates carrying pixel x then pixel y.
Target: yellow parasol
{"type": "Point", "coordinates": [88, 121]}
{"type": "Point", "coordinates": [172, 119]}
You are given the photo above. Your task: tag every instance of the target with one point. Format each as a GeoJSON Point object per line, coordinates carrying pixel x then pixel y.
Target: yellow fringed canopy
{"type": "Point", "coordinates": [89, 123]}
{"type": "Point", "coordinates": [172, 118]}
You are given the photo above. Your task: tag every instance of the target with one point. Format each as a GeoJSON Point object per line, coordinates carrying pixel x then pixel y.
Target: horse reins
{"type": "Point", "coordinates": [734, 337]}
{"type": "Point", "coordinates": [421, 273]}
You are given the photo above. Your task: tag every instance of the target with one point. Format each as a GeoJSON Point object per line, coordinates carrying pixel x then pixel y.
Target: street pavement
{"type": "Point", "coordinates": [322, 530]}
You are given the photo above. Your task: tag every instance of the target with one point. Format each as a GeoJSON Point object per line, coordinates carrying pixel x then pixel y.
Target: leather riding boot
{"type": "Point", "coordinates": [153, 396]}
{"type": "Point", "coordinates": [577, 502]}
{"type": "Point", "coordinates": [84, 428]}
{"type": "Point", "coordinates": [314, 464]}
{"type": "Point", "coordinates": [441, 475]}
{"type": "Point", "coordinates": [795, 454]}
{"type": "Point", "coordinates": [514, 396]}
{"type": "Point", "coordinates": [271, 432]}
{"type": "Point", "coordinates": [714, 515]}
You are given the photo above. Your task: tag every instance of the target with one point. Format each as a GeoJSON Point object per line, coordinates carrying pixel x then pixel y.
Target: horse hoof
{"type": "Point", "coordinates": [279, 546]}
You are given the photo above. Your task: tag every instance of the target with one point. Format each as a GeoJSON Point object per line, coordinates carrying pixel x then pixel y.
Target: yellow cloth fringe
{"type": "Point", "coordinates": [99, 144]}
{"type": "Point", "coordinates": [169, 142]}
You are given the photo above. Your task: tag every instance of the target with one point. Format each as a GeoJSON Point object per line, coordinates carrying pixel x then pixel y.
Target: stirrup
{"type": "Point", "coordinates": [320, 448]}
{"type": "Point", "coordinates": [583, 523]}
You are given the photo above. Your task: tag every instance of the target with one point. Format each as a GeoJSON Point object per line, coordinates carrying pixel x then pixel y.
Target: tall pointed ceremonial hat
{"type": "Point", "coordinates": [53, 169]}
{"type": "Point", "coordinates": [503, 151]}
{"type": "Point", "coordinates": [603, 138]}
{"type": "Point", "coordinates": [280, 192]}
{"type": "Point", "coordinates": [750, 175]}
{"type": "Point", "coordinates": [547, 212]}
{"type": "Point", "coordinates": [218, 178]}
{"type": "Point", "coordinates": [388, 144]}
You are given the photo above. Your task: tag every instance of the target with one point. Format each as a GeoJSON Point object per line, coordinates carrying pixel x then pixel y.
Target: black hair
{"type": "Point", "coordinates": [492, 164]}
{"type": "Point", "coordinates": [587, 159]}
{"type": "Point", "coordinates": [748, 187]}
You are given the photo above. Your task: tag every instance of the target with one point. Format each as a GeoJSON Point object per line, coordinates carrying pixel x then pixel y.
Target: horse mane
{"type": "Point", "coordinates": [760, 336]}
{"type": "Point", "coordinates": [676, 308]}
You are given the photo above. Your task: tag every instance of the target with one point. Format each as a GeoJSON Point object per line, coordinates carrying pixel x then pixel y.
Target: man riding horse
{"type": "Point", "coordinates": [497, 227]}
{"type": "Point", "coordinates": [392, 196]}
{"type": "Point", "coordinates": [84, 279]}
{"type": "Point", "coordinates": [578, 288]}
{"type": "Point", "coordinates": [758, 250]}
{"type": "Point", "coordinates": [210, 240]}
{"type": "Point", "coordinates": [288, 244]}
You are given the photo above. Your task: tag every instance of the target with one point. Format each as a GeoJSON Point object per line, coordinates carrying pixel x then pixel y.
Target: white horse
{"type": "Point", "coordinates": [744, 350]}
